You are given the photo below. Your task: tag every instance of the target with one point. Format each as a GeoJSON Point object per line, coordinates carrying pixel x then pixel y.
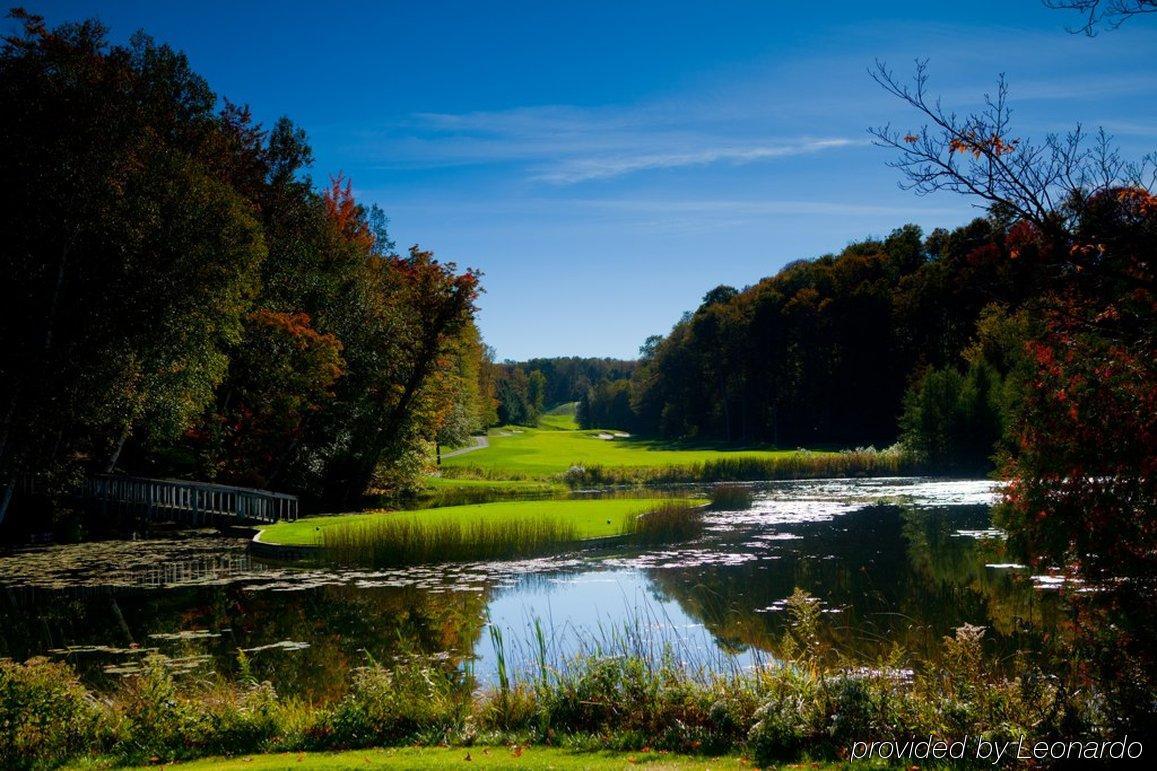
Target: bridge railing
{"type": "Point", "coordinates": [194, 502]}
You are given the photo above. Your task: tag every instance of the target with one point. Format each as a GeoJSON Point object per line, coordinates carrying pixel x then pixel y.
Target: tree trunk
{"type": "Point", "coordinates": [120, 445]}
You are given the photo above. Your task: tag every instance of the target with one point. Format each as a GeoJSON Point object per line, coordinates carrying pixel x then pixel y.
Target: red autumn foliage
{"type": "Point", "coordinates": [346, 213]}
{"type": "Point", "coordinates": [1086, 470]}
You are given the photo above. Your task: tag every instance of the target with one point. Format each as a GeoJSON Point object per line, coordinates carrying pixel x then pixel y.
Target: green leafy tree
{"type": "Point", "coordinates": [129, 263]}
{"type": "Point", "coordinates": [182, 300]}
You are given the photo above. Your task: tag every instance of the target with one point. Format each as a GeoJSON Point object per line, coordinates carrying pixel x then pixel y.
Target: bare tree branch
{"type": "Point", "coordinates": [978, 155]}
{"type": "Point", "coordinates": [1109, 14]}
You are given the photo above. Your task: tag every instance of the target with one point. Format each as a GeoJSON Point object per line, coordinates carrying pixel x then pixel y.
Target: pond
{"type": "Point", "coordinates": [895, 562]}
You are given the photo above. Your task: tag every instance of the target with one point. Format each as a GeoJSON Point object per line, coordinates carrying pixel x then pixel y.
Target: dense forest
{"type": "Point", "coordinates": [823, 352]}
{"type": "Point", "coordinates": [522, 390]}
{"type": "Point", "coordinates": [181, 299]}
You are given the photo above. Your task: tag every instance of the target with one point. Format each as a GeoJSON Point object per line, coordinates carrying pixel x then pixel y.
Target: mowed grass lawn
{"type": "Point", "coordinates": [560, 418]}
{"type": "Point", "coordinates": [538, 452]}
{"type": "Point", "coordinates": [526, 487]}
{"type": "Point", "coordinates": [467, 757]}
{"type": "Point", "coordinates": [595, 518]}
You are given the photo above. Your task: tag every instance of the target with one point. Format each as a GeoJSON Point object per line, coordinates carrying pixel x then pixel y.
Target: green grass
{"type": "Point", "coordinates": [516, 452]}
{"type": "Point", "coordinates": [560, 418]}
{"type": "Point", "coordinates": [593, 518]}
{"type": "Point", "coordinates": [434, 485]}
{"type": "Point", "coordinates": [488, 531]}
{"type": "Point", "coordinates": [444, 491]}
{"type": "Point", "coordinates": [467, 757]}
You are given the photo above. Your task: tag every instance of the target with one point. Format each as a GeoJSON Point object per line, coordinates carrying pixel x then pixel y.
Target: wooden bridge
{"type": "Point", "coordinates": [193, 503]}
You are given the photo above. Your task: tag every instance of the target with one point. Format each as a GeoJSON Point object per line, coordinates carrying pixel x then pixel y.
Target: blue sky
{"type": "Point", "coordinates": [606, 164]}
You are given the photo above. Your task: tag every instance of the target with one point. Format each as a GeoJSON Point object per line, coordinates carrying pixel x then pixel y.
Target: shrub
{"type": "Point", "coordinates": [814, 702]}
{"type": "Point", "coordinates": [953, 421]}
{"type": "Point", "coordinates": [46, 716]}
{"type": "Point", "coordinates": [790, 718]}
{"type": "Point", "coordinates": [164, 719]}
{"type": "Point", "coordinates": [405, 704]}
{"type": "Point", "coordinates": [156, 722]}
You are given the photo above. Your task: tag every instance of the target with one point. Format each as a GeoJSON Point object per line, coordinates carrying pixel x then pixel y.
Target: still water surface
{"type": "Point", "coordinates": [896, 562]}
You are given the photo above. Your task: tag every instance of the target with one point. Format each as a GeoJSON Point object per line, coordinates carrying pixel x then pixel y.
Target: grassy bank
{"type": "Point", "coordinates": [496, 757]}
{"type": "Point", "coordinates": [615, 698]}
{"type": "Point", "coordinates": [503, 530]}
{"type": "Point", "coordinates": [597, 457]}
{"type": "Point", "coordinates": [434, 486]}
{"type": "Point", "coordinates": [802, 464]}
{"type": "Point", "coordinates": [517, 452]}
{"type": "Point", "coordinates": [443, 491]}
{"type": "Point", "coordinates": [560, 418]}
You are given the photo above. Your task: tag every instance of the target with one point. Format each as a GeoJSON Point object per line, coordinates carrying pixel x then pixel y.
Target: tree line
{"type": "Point", "coordinates": [823, 352]}
{"type": "Point", "coordinates": [522, 390]}
{"type": "Point", "coordinates": [181, 298]}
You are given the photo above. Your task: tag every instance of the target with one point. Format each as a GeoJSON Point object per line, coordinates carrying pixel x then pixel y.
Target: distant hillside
{"type": "Point", "coordinates": [523, 389]}
{"type": "Point", "coordinates": [561, 417]}
{"type": "Point", "coordinates": [569, 377]}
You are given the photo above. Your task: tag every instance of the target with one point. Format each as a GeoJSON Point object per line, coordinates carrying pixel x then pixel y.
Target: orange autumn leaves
{"type": "Point", "coordinates": [346, 214]}
{"type": "Point", "coordinates": [974, 145]}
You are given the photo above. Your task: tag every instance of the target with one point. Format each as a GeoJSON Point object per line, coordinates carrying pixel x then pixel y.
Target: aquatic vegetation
{"type": "Point", "coordinates": [731, 497]}
{"type": "Point", "coordinates": [493, 531]}
{"type": "Point", "coordinates": [448, 491]}
{"type": "Point", "coordinates": [723, 580]}
{"type": "Point", "coordinates": [742, 467]}
{"type": "Point", "coordinates": [397, 541]}
{"type": "Point", "coordinates": [667, 522]}
{"type": "Point", "coordinates": [619, 693]}
{"type": "Point", "coordinates": [589, 517]}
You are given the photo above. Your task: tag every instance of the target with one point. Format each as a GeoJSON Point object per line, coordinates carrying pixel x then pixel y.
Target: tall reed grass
{"type": "Point", "coordinates": [861, 462]}
{"type": "Point", "coordinates": [396, 541]}
{"type": "Point", "coordinates": [668, 522]}
{"type": "Point", "coordinates": [731, 497]}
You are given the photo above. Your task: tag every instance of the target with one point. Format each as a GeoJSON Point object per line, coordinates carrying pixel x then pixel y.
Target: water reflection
{"type": "Point", "coordinates": [887, 557]}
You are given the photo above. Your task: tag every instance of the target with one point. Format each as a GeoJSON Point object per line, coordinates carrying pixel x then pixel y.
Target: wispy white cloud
{"type": "Point", "coordinates": [565, 145]}
{"type": "Point", "coordinates": [581, 169]}
{"type": "Point", "coordinates": [660, 215]}
{"type": "Point", "coordinates": [762, 110]}
{"type": "Point", "coordinates": [763, 207]}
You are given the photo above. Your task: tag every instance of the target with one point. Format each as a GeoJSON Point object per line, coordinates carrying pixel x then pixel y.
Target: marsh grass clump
{"type": "Point", "coordinates": [860, 462]}
{"type": "Point", "coordinates": [395, 541]}
{"type": "Point", "coordinates": [731, 497]}
{"type": "Point", "coordinates": [670, 521]}
{"type": "Point", "coordinates": [475, 471]}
